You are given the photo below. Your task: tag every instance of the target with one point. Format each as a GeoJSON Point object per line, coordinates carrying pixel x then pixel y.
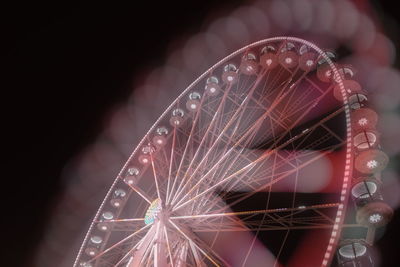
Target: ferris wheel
{"type": "Point", "coordinates": [230, 174]}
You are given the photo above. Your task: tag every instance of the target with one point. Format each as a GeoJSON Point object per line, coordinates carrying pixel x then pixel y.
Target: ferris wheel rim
{"type": "Point", "coordinates": [345, 187]}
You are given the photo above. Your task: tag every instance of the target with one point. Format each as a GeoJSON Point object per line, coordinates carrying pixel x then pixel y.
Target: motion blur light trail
{"type": "Point", "coordinates": [335, 25]}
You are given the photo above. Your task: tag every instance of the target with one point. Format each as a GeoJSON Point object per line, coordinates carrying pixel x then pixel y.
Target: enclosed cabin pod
{"type": "Point", "coordinates": [96, 239]}
{"type": "Point", "coordinates": [347, 72]}
{"type": "Point", "coordinates": [372, 211]}
{"type": "Point", "coordinates": [177, 117]}
{"type": "Point", "coordinates": [268, 58]}
{"type": "Point", "coordinates": [366, 190]}
{"type": "Point", "coordinates": [357, 100]}
{"type": "Point", "coordinates": [354, 253]}
{"type": "Point", "coordinates": [160, 138]}
{"type": "Point", "coordinates": [249, 64]}
{"type": "Point", "coordinates": [131, 175]}
{"type": "Point", "coordinates": [288, 57]}
{"type": "Point", "coordinates": [230, 74]}
{"type": "Point", "coordinates": [352, 87]}
{"type": "Point", "coordinates": [118, 198]}
{"type": "Point", "coordinates": [308, 59]}
{"type": "Point", "coordinates": [364, 119]}
{"type": "Point", "coordinates": [193, 103]}
{"type": "Point", "coordinates": [212, 86]}
{"type": "Point", "coordinates": [369, 159]}
{"type": "Point", "coordinates": [324, 71]}
{"type": "Point", "coordinates": [376, 213]}
{"type": "Point", "coordinates": [365, 139]}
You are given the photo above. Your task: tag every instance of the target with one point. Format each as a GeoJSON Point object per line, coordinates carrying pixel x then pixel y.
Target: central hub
{"type": "Point", "coordinates": [155, 211]}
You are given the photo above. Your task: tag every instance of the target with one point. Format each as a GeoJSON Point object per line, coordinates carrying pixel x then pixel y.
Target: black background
{"type": "Point", "coordinates": [66, 65]}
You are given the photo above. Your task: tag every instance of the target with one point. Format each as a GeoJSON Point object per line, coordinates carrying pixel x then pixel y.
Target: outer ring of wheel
{"type": "Point", "coordinates": [344, 195]}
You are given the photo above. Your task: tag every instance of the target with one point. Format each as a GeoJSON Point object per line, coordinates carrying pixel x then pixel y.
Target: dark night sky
{"type": "Point", "coordinates": [66, 66]}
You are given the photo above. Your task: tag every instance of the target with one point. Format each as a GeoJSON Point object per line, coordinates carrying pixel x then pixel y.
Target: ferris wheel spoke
{"type": "Point", "coordinates": [259, 226]}
{"type": "Point", "coordinates": [314, 84]}
{"type": "Point", "coordinates": [181, 251]}
{"type": "Point", "coordinates": [209, 203]}
{"type": "Point", "coordinates": [196, 254]}
{"type": "Point", "coordinates": [220, 105]}
{"type": "Point", "coordinates": [247, 168]}
{"type": "Point", "coordinates": [171, 259]}
{"type": "Point", "coordinates": [239, 112]}
{"type": "Point", "coordinates": [320, 123]}
{"type": "Point", "coordinates": [174, 176]}
{"type": "Point", "coordinates": [251, 165]}
{"type": "Point", "coordinates": [114, 246]}
{"type": "Point", "coordinates": [279, 122]}
{"type": "Point", "coordinates": [288, 101]}
{"type": "Point", "coordinates": [332, 133]}
{"type": "Point", "coordinates": [125, 257]}
{"type": "Point", "coordinates": [245, 135]}
{"type": "Point", "coordinates": [143, 254]}
{"type": "Point", "coordinates": [208, 252]}
{"type": "Point", "coordinates": [155, 177]}
{"type": "Point", "coordinates": [242, 178]}
{"type": "Point", "coordinates": [148, 255]}
{"type": "Point", "coordinates": [314, 103]}
{"type": "Point", "coordinates": [307, 133]}
{"type": "Point", "coordinates": [265, 172]}
{"type": "Point", "coordinates": [279, 219]}
{"type": "Point", "coordinates": [186, 147]}
{"type": "Point", "coordinates": [170, 164]}
{"type": "Point", "coordinates": [238, 115]}
{"type": "Point", "coordinates": [140, 192]}
{"type": "Point", "coordinates": [122, 224]}
{"type": "Point", "coordinates": [254, 212]}
{"type": "Point", "coordinates": [159, 254]}
{"type": "Point", "coordinates": [271, 182]}
{"type": "Point", "coordinates": [294, 154]}
{"type": "Point", "coordinates": [243, 170]}
{"type": "Point", "coordinates": [281, 247]}
{"type": "Point", "coordinates": [212, 170]}
{"type": "Point", "coordinates": [209, 184]}
{"type": "Point", "coordinates": [277, 169]}
{"type": "Point", "coordinates": [219, 160]}
{"type": "Point", "coordinates": [268, 175]}
{"type": "Point", "coordinates": [212, 124]}
{"type": "Point", "coordinates": [308, 107]}
{"type": "Point", "coordinates": [297, 104]}
{"type": "Point", "coordinates": [217, 156]}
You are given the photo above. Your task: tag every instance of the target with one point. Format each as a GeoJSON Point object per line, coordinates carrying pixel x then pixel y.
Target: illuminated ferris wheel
{"type": "Point", "coordinates": [263, 151]}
